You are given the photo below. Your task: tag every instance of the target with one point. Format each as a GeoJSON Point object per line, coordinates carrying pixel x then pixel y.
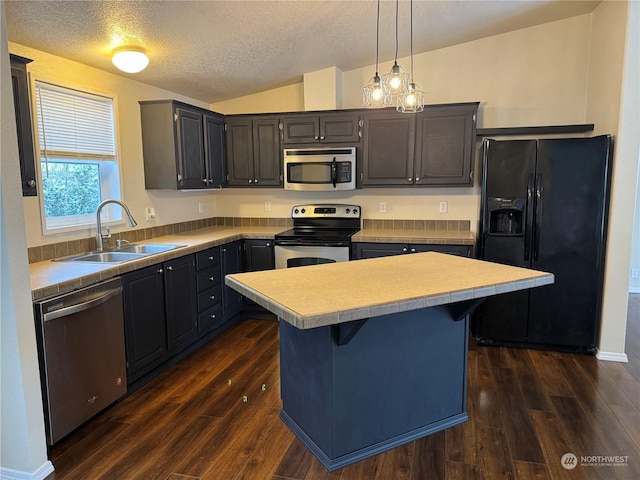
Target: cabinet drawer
{"type": "Point", "coordinates": [210, 318]}
{"type": "Point", "coordinates": [209, 297]}
{"type": "Point", "coordinates": [207, 258]}
{"type": "Point", "coordinates": [208, 278]}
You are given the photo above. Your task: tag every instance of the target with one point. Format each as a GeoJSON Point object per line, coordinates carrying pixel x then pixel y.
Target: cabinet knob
{"type": "Point", "coordinates": [169, 267]}
{"type": "Point", "coordinates": [409, 179]}
{"type": "Point", "coordinates": [159, 270]}
{"type": "Point", "coordinates": [255, 180]}
{"type": "Point", "coordinates": [211, 257]}
{"type": "Point", "coordinates": [413, 250]}
{"type": "Point", "coordinates": [205, 181]}
{"type": "Point", "coordinates": [211, 279]}
{"type": "Point", "coordinates": [321, 138]}
{"type": "Point", "coordinates": [250, 181]}
{"type": "Point", "coordinates": [213, 315]}
{"type": "Point", "coordinates": [404, 250]}
{"type": "Point", "coordinates": [417, 179]}
{"type": "Point", "coordinates": [268, 244]}
{"type": "Point", "coordinates": [31, 183]}
{"type": "Point", "coordinates": [315, 138]}
{"type": "Point", "coordinates": [212, 297]}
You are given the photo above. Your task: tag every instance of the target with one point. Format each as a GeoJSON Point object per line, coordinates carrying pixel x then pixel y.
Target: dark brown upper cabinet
{"type": "Point", "coordinates": [183, 146]}
{"type": "Point", "coordinates": [334, 127]}
{"type": "Point", "coordinates": [24, 126]}
{"type": "Point", "coordinates": [431, 148]}
{"type": "Point", "coordinates": [254, 156]}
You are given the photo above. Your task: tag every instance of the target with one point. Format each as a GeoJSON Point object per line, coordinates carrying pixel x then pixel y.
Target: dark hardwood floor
{"type": "Point", "coordinates": [214, 416]}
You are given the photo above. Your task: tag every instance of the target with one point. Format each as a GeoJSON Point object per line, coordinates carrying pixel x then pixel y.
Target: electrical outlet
{"type": "Point", "coordinates": [200, 208]}
{"type": "Point", "coordinates": [443, 207]}
{"type": "Point", "coordinates": [635, 273]}
{"type": "Point", "coordinates": [150, 213]}
{"type": "Point", "coordinates": [267, 206]}
{"type": "Point", "coordinates": [383, 207]}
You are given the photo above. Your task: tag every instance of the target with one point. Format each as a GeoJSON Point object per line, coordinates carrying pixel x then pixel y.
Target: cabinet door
{"type": "Point", "coordinates": [231, 257]}
{"type": "Point", "coordinates": [267, 154]}
{"type": "Point", "coordinates": [300, 129]}
{"type": "Point", "coordinates": [23, 125]}
{"type": "Point", "coordinates": [214, 150]}
{"type": "Point", "coordinates": [191, 155]}
{"type": "Point", "coordinates": [240, 152]}
{"type": "Point", "coordinates": [259, 255]}
{"type": "Point", "coordinates": [375, 250]}
{"type": "Point", "coordinates": [445, 146]}
{"type": "Point", "coordinates": [388, 149]}
{"type": "Point", "coordinates": [340, 128]}
{"type": "Point", "coordinates": [180, 301]}
{"type": "Point", "coordinates": [144, 320]}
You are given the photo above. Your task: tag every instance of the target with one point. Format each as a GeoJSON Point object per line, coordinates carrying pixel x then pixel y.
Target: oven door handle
{"type": "Point", "coordinates": [334, 173]}
{"type": "Point", "coordinates": [306, 243]}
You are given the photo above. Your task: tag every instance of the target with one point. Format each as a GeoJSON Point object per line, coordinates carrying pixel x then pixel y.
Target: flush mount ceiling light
{"type": "Point", "coordinates": [130, 59]}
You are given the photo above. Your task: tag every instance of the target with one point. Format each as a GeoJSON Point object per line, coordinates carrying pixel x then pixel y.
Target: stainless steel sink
{"type": "Point", "coordinates": [147, 249]}
{"type": "Point", "coordinates": [120, 255]}
{"type": "Point", "coordinates": [103, 257]}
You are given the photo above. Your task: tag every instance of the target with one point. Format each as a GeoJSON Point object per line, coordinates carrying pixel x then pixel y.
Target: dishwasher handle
{"type": "Point", "coordinates": [80, 307]}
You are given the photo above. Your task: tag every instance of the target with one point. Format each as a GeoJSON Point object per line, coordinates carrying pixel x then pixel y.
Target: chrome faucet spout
{"type": "Point", "coordinates": [100, 238]}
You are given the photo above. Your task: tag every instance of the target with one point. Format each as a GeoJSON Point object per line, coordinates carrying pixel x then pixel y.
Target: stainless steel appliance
{"type": "Point", "coordinates": [82, 355]}
{"type": "Point", "coordinates": [544, 206]}
{"type": "Point", "coordinates": [318, 169]}
{"type": "Point", "coordinates": [320, 234]}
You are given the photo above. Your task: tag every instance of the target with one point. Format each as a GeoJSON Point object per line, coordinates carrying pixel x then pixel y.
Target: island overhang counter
{"type": "Point", "coordinates": [373, 353]}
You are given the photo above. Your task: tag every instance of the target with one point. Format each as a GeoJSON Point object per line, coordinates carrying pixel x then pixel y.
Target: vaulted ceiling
{"type": "Point", "coordinates": [215, 50]}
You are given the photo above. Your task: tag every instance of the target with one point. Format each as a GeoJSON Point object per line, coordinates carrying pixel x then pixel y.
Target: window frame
{"type": "Point", "coordinates": [110, 189]}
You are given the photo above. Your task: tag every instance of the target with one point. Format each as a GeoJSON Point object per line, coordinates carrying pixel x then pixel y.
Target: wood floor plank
{"type": "Point", "coordinates": [462, 471]}
{"type": "Point", "coordinates": [295, 462]}
{"type": "Point", "coordinates": [460, 443]}
{"type": "Point", "coordinates": [494, 459]}
{"type": "Point", "coordinates": [429, 458]}
{"type": "Point", "coordinates": [531, 471]}
{"type": "Point", "coordinates": [532, 390]}
{"type": "Point", "coordinates": [396, 464]}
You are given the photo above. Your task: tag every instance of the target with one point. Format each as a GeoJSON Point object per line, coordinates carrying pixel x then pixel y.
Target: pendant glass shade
{"type": "Point", "coordinates": [130, 59]}
{"type": "Point", "coordinates": [412, 100]}
{"type": "Point", "coordinates": [375, 94]}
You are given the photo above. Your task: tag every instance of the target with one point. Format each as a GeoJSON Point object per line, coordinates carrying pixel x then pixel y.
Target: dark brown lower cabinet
{"type": "Point", "coordinates": [375, 250]}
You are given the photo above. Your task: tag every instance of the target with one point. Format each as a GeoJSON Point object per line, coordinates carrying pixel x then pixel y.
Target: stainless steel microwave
{"type": "Point", "coordinates": [318, 169]}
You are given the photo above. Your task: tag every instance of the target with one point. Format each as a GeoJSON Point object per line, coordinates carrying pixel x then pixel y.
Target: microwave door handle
{"type": "Point", "coordinates": [334, 173]}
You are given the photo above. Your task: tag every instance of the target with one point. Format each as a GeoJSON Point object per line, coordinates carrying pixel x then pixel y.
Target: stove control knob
{"type": "Point", "coordinates": [303, 210]}
{"type": "Point", "coordinates": [295, 211]}
{"type": "Point", "coordinates": [355, 211]}
{"type": "Point", "coordinates": [348, 210]}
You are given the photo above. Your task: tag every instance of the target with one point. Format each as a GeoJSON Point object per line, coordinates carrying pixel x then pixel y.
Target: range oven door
{"type": "Point", "coordinates": [301, 255]}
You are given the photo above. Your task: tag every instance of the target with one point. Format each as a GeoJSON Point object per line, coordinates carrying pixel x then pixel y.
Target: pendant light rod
{"type": "Point", "coordinates": [377, 36]}
{"type": "Point", "coordinates": [395, 59]}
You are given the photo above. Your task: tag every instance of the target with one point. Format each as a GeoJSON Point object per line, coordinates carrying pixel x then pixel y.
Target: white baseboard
{"type": "Point", "coordinates": [612, 357]}
{"type": "Point", "coordinates": [40, 474]}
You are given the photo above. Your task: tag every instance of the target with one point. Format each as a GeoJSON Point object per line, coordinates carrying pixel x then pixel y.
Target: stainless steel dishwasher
{"type": "Point", "coordinates": [82, 355]}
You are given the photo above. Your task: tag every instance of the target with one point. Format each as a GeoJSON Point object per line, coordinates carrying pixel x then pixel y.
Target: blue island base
{"type": "Point", "coordinates": [354, 390]}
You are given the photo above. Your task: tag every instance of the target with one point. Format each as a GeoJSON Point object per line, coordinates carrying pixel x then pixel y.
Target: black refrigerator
{"type": "Point", "coordinates": [545, 206]}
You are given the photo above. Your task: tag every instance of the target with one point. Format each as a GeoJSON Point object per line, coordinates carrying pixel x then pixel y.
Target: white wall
{"type": "Point", "coordinates": [614, 99]}
{"type": "Point", "coordinates": [22, 441]}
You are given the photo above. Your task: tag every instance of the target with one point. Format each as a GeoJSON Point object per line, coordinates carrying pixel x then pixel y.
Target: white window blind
{"type": "Point", "coordinates": [74, 124]}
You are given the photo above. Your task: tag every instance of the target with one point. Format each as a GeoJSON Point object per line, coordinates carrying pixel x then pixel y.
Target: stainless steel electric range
{"type": "Point", "coordinates": [321, 233]}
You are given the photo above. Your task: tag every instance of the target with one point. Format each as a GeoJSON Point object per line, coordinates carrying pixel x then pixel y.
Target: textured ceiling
{"type": "Point", "coordinates": [216, 50]}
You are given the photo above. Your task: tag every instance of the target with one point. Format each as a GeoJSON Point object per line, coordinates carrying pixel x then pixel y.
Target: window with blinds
{"type": "Point", "coordinates": [78, 161]}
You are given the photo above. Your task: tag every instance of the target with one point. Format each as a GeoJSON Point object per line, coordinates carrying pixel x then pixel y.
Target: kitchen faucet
{"type": "Point", "coordinates": [100, 238]}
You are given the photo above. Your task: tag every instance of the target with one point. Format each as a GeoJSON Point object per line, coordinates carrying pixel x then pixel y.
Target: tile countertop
{"type": "Point", "coordinates": [319, 295]}
{"type": "Point", "coordinates": [395, 235]}
{"type": "Point", "coordinates": [51, 277]}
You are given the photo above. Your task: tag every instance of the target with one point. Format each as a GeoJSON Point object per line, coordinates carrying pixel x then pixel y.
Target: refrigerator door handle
{"type": "Point", "coordinates": [538, 218]}
{"type": "Point", "coordinates": [528, 229]}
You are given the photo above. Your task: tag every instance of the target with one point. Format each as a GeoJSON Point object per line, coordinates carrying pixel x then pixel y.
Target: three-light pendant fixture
{"type": "Point", "coordinates": [396, 87]}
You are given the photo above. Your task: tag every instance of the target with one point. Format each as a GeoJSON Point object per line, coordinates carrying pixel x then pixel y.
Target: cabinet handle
{"type": "Point", "coordinates": [169, 267]}
{"type": "Point", "coordinates": [159, 270]}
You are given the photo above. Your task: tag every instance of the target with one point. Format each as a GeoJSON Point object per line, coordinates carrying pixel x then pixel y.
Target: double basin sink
{"type": "Point", "coordinates": [122, 254]}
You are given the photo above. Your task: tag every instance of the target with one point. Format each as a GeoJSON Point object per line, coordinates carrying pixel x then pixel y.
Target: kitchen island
{"type": "Point", "coordinates": [373, 353]}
